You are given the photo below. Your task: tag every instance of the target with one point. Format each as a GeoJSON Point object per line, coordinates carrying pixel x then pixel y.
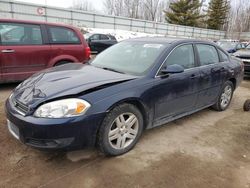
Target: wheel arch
{"type": "Point", "coordinates": [138, 104]}
{"type": "Point", "coordinates": [63, 60]}
{"type": "Point", "coordinates": [57, 59]}
{"type": "Point", "coordinates": [234, 81]}
{"type": "Point", "coordinates": [134, 101]}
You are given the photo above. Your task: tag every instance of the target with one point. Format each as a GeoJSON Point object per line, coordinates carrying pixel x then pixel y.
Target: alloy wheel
{"type": "Point", "coordinates": [123, 131]}
{"type": "Point", "coordinates": [226, 96]}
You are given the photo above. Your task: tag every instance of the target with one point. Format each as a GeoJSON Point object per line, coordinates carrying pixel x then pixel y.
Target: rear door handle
{"type": "Point", "coordinates": [193, 76]}
{"type": "Point", "coordinates": [8, 51]}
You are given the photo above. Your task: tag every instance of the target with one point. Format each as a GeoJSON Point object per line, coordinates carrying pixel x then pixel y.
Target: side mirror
{"type": "Point", "coordinates": [238, 48]}
{"type": "Point", "coordinates": [172, 69]}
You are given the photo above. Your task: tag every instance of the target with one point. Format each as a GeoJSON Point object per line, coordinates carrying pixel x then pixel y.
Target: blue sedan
{"type": "Point", "coordinates": [134, 85]}
{"type": "Point", "coordinates": [231, 47]}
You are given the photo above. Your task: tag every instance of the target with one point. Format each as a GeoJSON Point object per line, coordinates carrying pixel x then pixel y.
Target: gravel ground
{"type": "Point", "coordinates": [206, 149]}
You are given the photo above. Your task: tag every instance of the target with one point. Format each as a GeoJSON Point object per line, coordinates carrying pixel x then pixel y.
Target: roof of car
{"type": "Point", "coordinates": [228, 40]}
{"type": "Point", "coordinates": [35, 22]}
{"type": "Point", "coordinates": [168, 40]}
{"type": "Point", "coordinates": [93, 33]}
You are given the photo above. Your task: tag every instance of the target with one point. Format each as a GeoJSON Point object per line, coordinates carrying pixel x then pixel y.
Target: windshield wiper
{"type": "Point", "coordinates": [110, 69]}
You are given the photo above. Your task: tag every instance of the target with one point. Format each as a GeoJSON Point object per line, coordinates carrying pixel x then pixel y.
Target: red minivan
{"type": "Point", "coordinates": [27, 47]}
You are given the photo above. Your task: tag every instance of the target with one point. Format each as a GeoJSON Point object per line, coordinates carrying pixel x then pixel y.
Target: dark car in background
{"type": "Point", "coordinates": [230, 46]}
{"type": "Point", "coordinates": [99, 42]}
{"type": "Point", "coordinates": [27, 47]}
{"type": "Point", "coordinates": [134, 85]}
{"type": "Point", "coordinates": [244, 55]}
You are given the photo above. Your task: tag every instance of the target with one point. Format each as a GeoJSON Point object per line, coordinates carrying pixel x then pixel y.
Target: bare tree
{"type": "Point", "coordinates": [132, 8]}
{"type": "Point", "coordinates": [239, 18]}
{"type": "Point", "coordinates": [119, 8]}
{"type": "Point", "coordinates": [163, 6]}
{"type": "Point", "coordinates": [140, 9]}
{"type": "Point", "coordinates": [150, 9]}
{"type": "Point", "coordinates": [109, 6]}
{"type": "Point", "coordinates": [85, 5]}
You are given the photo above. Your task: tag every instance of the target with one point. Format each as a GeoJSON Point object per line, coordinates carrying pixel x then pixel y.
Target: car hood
{"type": "Point", "coordinates": [242, 53]}
{"type": "Point", "coordinates": [65, 80]}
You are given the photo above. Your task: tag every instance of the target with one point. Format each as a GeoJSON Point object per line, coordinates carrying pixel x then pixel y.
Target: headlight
{"type": "Point", "coordinates": [63, 108]}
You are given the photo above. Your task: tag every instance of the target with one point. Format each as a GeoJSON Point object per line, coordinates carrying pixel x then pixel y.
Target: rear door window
{"type": "Point", "coordinates": [95, 37]}
{"type": "Point", "coordinates": [224, 57]}
{"type": "Point", "coordinates": [207, 54]}
{"type": "Point", "coordinates": [63, 35]}
{"type": "Point", "coordinates": [104, 37]}
{"type": "Point", "coordinates": [20, 34]}
{"type": "Point", "coordinates": [112, 37]}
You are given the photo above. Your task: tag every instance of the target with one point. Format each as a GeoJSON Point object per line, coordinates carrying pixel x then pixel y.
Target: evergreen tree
{"type": "Point", "coordinates": [217, 13]}
{"type": "Point", "coordinates": [184, 12]}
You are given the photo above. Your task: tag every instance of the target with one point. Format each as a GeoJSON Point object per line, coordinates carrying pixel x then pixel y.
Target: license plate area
{"type": "Point", "coordinates": [13, 129]}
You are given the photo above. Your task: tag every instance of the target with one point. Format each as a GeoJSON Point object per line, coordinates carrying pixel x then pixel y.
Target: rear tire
{"type": "Point", "coordinates": [120, 130]}
{"type": "Point", "coordinates": [62, 63]}
{"type": "Point", "coordinates": [225, 97]}
{"type": "Point", "coordinates": [246, 106]}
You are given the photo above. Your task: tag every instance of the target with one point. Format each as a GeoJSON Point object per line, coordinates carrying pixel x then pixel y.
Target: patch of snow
{"type": "Point", "coordinates": [121, 34]}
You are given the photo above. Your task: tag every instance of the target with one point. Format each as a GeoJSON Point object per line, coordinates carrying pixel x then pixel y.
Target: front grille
{"type": "Point", "coordinates": [247, 68]}
{"type": "Point", "coordinates": [49, 143]}
{"type": "Point", "coordinates": [36, 142]}
{"type": "Point", "coordinates": [244, 57]}
{"type": "Point", "coordinates": [246, 60]}
{"type": "Point", "coordinates": [22, 108]}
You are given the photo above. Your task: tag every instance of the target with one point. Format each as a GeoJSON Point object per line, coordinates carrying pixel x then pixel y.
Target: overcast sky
{"type": "Point", "coordinates": [98, 4]}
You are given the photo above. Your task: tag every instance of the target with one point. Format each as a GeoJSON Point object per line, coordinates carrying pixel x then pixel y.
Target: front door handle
{"type": "Point", "coordinates": [222, 68]}
{"type": "Point", "coordinates": [8, 51]}
{"type": "Point", "coordinates": [218, 69]}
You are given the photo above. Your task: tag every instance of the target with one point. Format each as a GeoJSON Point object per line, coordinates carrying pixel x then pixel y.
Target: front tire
{"type": "Point", "coordinates": [247, 105]}
{"type": "Point", "coordinates": [120, 130]}
{"type": "Point", "coordinates": [225, 97]}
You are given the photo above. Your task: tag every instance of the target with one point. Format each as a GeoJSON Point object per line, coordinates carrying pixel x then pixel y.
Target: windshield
{"type": "Point", "coordinates": [248, 47]}
{"type": "Point", "coordinates": [130, 57]}
{"type": "Point", "coordinates": [227, 45]}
